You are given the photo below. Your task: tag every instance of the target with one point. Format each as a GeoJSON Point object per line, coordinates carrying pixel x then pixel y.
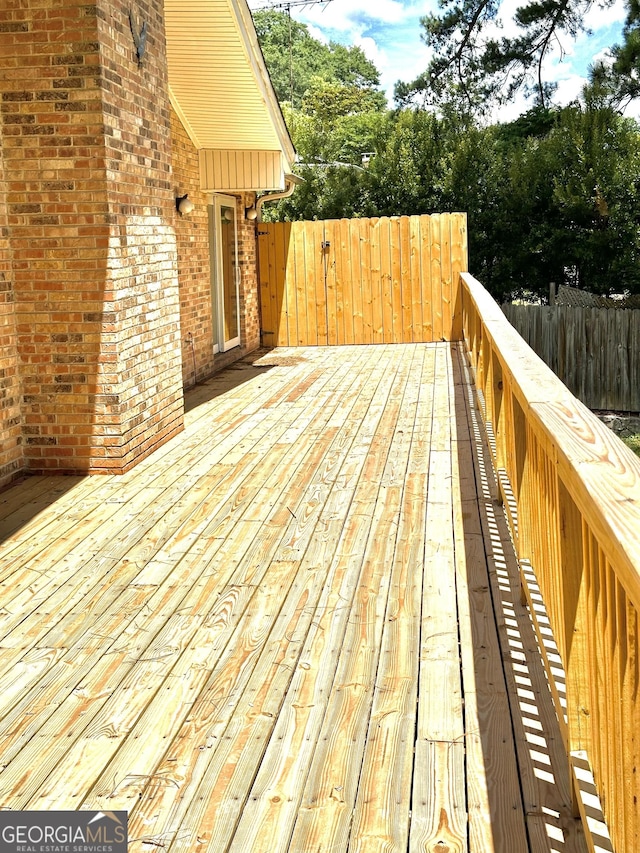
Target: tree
{"type": "Point", "coordinates": [406, 171]}
{"type": "Point", "coordinates": [294, 58]}
{"type": "Point", "coordinates": [334, 116]}
{"type": "Point", "coordinates": [472, 67]}
{"type": "Point", "coordinates": [552, 196]}
{"type": "Point", "coordinates": [329, 100]}
{"type": "Point", "coordinates": [616, 83]}
{"type": "Point", "coordinates": [596, 192]}
{"type": "Point", "coordinates": [559, 205]}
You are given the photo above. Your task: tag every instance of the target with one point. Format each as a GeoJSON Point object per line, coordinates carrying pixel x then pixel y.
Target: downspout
{"type": "Point", "coordinates": [291, 181]}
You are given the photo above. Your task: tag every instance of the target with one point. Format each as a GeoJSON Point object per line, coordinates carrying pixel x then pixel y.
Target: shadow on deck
{"type": "Point", "coordinates": [296, 627]}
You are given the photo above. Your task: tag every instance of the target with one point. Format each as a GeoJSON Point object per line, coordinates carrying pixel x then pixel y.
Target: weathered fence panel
{"type": "Point", "coordinates": [362, 281]}
{"type": "Point", "coordinates": [594, 351]}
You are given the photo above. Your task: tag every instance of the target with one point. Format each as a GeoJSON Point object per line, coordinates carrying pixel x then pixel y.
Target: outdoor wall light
{"type": "Point", "coordinates": [184, 205]}
{"type": "Point", "coordinates": [251, 212]}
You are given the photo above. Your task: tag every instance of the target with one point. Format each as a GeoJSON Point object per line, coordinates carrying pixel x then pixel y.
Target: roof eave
{"type": "Point", "coordinates": [259, 66]}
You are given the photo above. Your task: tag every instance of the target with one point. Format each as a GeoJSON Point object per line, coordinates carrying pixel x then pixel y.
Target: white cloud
{"type": "Point", "coordinates": [569, 88]}
{"type": "Point", "coordinates": [600, 16]}
{"type": "Point", "coordinates": [372, 51]}
{"type": "Point", "coordinates": [346, 15]}
{"type": "Point", "coordinates": [389, 33]}
{"type": "Point", "coordinates": [317, 33]}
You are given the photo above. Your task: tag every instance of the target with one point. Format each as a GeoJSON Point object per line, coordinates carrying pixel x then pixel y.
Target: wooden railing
{"type": "Point", "coordinates": [572, 491]}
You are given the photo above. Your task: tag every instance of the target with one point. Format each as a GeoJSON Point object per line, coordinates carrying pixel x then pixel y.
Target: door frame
{"type": "Point", "coordinates": [216, 203]}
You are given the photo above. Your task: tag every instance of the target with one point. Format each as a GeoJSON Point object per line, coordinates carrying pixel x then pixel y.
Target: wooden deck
{"type": "Point", "coordinates": [296, 627]}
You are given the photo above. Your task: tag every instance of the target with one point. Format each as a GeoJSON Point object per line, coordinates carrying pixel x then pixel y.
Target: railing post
{"type": "Point", "coordinates": [497, 410]}
{"type": "Point", "coordinates": [520, 479]}
{"type": "Point", "coordinates": [575, 640]}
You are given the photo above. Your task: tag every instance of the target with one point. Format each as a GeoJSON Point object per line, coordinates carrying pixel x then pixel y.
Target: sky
{"type": "Point", "coordinates": [388, 31]}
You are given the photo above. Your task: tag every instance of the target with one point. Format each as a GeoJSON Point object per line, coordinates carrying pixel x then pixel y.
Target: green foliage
{"type": "Point", "coordinates": [326, 138]}
{"type": "Point", "coordinates": [616, 84]}
{"type": "Point", "coordinates": [405, 175]}
{"type": "Point", "coordinates": [633, 441]}
{"type": "Point", "coordinates": [455, 74]}
{"type": "Point", "coordinates": [329, 100]}
{"type": "Point", "coordinates": [551, 197]}
{"type": "Point", "coordinates": [328, 192]}
{"type": "Point", "coordinates": [568, 209]}
{"type": "Point", "coordinates": [472, 69]}
{"type": "Point", "coordinates": [294, 58]}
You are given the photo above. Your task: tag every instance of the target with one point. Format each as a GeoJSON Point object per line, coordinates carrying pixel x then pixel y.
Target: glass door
{"type": "Point", "coordinates": [225, 297]}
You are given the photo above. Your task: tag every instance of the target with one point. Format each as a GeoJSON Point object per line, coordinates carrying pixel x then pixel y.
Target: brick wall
{"type": "Point", "coordinates": [11, 460]}
{"type": "Point", "coordinates": [194, 275]}
{"type": "Point", "coordinates": [86, 148]}
{"type": "Point", "coordinates": [141, 281]}
{"type": "Point", "coordinates": [192, 232]}
{"type": "Point", "coordinates": [91, 245]}
{"type": "Point", "coordinates": [57, 216]}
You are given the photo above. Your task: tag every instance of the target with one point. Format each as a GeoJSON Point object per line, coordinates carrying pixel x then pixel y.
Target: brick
{"type": "Point", "coordinates": [94, 156]}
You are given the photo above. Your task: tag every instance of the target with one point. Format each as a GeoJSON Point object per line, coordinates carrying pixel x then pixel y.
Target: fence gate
{"type": "Point", "coordinates": [362, 281]}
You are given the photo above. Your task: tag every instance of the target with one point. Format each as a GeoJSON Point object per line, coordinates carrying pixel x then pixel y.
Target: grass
{"type": "Point", "coordinates": [633, 441]}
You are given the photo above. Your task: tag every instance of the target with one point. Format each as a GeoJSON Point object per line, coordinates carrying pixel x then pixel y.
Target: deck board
{"type": "Point", "coordinates": [296, 627]}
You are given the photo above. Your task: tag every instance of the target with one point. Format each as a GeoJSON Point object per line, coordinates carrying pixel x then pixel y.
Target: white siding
{"type": "Point", "coordinates": [241, 170]}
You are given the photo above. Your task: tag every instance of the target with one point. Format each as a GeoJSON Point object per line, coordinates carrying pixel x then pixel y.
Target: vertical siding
{"type": "Point", "coordinates": [222, 170]}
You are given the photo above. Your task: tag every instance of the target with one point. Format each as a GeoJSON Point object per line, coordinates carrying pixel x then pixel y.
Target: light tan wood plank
{"type": "Point", "coordinates": [357, 292]}
{"type": "Point", "coordinates": [366, 279]}
{"type": "Point", "coordinates": [252, 667]}
{"type": "Point", "coordinates": [303, 295]}
{"type": "Point", "coordinates": [438, 808]}
{"type": "Point", "coordinates": [386, 276]}
{"type": "Point", "coordinates": [316, 260]}
{"type": "Point", "coordinates": [436, 296]}
{"type": "Point", "coordinates": [276, 535]}
{"type": "Point", "coordinates": [377, 328]}
{"type": "Point", "coordinates": [415, 280]}
{"type": "Point", "coordinates": [492, 777]}
{"type": "Point", "coordinates": [282, 285]}
{"type": "Point", "coordinates": [343, 265]}
{"type": "Point", "coordinates": [332, 785]}
{"type": "Point", "coordinates": [459, 263]}
{"type": "Point", "coordinates": [331, 231]}
{"type": "Point", "coordinates": [207, 522]}
{"type": "Point", "coordinates": [272, 807]}
{"type": "Point", "coordinates": [242, 738]}
{"type": "Point", "coordinates": [406, 282]}
{"type": "Point", "coordinates": [425, 281]}
{"type": "Point", "coordinates": [382, 813]}
{"type": "Point", "coordinates": [446, 274]}
{"type": "Point", "coordinates": [396, 331]}
{"type": "Point", "coordinates": [178, 456]}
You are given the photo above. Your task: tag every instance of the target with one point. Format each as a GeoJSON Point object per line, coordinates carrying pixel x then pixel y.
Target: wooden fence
{"type": "Point", "coordinates": [594, 351]}
{"type": "Point", "coordinates": [572, 493]}
{"type": "Point", "coordinates": [362, 281]}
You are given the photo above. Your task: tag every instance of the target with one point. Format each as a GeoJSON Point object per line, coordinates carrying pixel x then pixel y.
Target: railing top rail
{"type": "Point", "coordinates": [602, 474]}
